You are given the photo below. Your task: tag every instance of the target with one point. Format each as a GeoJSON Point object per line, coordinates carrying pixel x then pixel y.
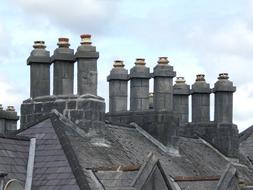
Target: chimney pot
{"type": "Point", "coordinates": [118, 64]}
{"type": "Point", "coordinates": [163, 60]}
{"type": "Point", "coordinates": [63, 43]}
{"type": "Point", "coordinates": [10, 109]}
{"type": "Point", "coordinates": [39, 45]}
{"type": "Point", "coordinates": [223, 76]}
{"type": "Point", "coordinates": [180, 80]}
{"type": "Point", "coordinates": [140, 61]}
{"type": "Point", "coordinates": [200, 77]}
{"type": "Point", "coordinates": [1, 107]}
{"type": "Point", "coordinates": [86, 39]}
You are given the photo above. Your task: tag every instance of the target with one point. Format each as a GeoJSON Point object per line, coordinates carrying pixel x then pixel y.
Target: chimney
{"type": "Point", "coordinates": [223, 90]}
{"type": "Point", "coordinates": [139, 86]}
{"type": "Point", "coordinates": [63, 60]}
{"type": "Point", "coordinates": [86, 56]}
{"type": "Point", "coordinates": [200, 100]}
{"type": "Point", "coordinates": [181, 100]}
{"type": "Point", "coordinates": [163, 85]}
{"type": "Point", "coordinates": [39, 62]}
{"type": "Point", "coordinates": [118, 80]}
{"type": "Point", "coordinates": [8, 120]}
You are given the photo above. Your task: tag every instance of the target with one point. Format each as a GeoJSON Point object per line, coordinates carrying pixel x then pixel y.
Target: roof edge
{"type": "Point", "coordinates": [69, 152]}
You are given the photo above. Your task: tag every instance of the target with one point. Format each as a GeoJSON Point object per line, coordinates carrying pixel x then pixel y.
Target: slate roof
{"type": "Point", "coordinates": [113, 156]}
{"type": "Point", "coordinates": [51, 167]}
{"type": "Point", "coordinates": [13, 157]}
{"type": "Point", "coordinates": [114, 146]}
{"type": "Point", "coordinates": [114, 180]}
{"type": "Point", "coordinates": [246, 146]}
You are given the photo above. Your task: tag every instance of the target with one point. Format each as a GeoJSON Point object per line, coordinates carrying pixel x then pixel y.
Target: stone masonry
{"type": "Point", "coordinates": [63, 60]}
{"type": "Point", "coordinates": [164, 114]}
{"type": "Point", "coordinates": [85, 109]}
{"type": "Point", "coordinates": [8, 120]}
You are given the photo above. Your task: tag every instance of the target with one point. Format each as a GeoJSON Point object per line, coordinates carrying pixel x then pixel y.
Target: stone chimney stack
{"type": "Point", "coordinates": [163, 85]}
{"type": "Point", "coordinates": [39, 62]}
{"type": "Point", "coordinates": [63, 60]}
{"type": "Point", "coordinates": [181, 99]}
{"type": "Point", "coordinates": [201, 100]}
{"type": "Point", "coordinates": [87, 57]}
{"type": "Point", "coordinates": [118, 80]}
{"type": "Point", "coordinates": [139, 86]}
{"type": "Point", "coordinates": [223, 90]}
{"type": "Point", "coordinates": [8, 120]}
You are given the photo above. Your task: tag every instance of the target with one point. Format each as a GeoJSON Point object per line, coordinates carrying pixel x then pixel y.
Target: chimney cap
{"type": "Point", "coordinates": [1, 107]}
{"type": "Point", "coordinates": [63, 42]}
{"type": "Point", "coordinates": [85, 39]}
{"type": "Point", "coordinates": [140, 61]}
{"type": "Point", "coordinates": [200, 77]}
{"type": "Point", "coordinates": [118, 64]}
{"type": "Point", "coordinates": [39, 44]}
{"type": "Point", "coordinates": [223, 76]}
{"type": "Point", "coordinates": [10, 109]}
{"type": "Point", "coordinates": [180, 80]}
{"type": "Point", "coordinates": [163, 60]}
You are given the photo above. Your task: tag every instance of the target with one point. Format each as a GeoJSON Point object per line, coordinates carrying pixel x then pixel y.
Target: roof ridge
{"type": "Point", "coordinates": [230, 160]}
{"type": "Point", "coordinates": [119, 125]}
{"type": "Point", "coordinates": [245, 134]}
{"type": "Point", "coordinates": [146, 170]}
{"type": "Point", "coordinates": [69, 152]}
{"type": "Point", "coordinates": [169, 150]}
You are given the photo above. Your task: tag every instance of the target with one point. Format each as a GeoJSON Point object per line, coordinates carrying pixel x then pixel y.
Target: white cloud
{"type": "Point", "coordinates": [198, 37]}
{"type": "Point", "coordinates": [79, 15]}
{"type": "Point", "coordinates": [9, 95]}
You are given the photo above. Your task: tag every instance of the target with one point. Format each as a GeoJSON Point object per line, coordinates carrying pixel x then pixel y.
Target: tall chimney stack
{"type": "Point", "coordinates": [39, 62]}
{"type": "Point", "coordinates": [223, 90]}
{"type": "Point", "coordinates": [163, 85]}
{"type": "Point", "coordinates": [118, 80]}
{"type": "Point", "coordinates": [87, 57]}
{"type": "Point", "coordinates": [63, 60]}
{"type": "Point", "coordinates": [181, 99]}
{"type": "Point", "coordinates": [201, 100]}
{"type": "Point", "coordinates": [139, 86]}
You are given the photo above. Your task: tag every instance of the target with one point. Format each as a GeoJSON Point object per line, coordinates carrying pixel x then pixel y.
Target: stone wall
{"type": "Point", "coordinates": [85, 111]}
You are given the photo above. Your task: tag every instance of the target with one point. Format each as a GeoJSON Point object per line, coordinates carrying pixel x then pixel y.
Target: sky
{"type": "Point", "coordinates": [199, 37]}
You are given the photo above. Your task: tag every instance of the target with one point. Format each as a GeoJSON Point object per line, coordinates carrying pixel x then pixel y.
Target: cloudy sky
{"type": "Point", "coordinates": [200, 36]}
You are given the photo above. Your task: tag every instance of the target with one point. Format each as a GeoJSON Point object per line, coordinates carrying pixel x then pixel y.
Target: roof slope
{"type": "Point", "coordinates": [246, 145]}
{"type": "Point", "coordinates": [112, 146]}
{"type": "Point", "coordinates": [51, 167]}
{"type": "Point", "coordinates": [13, 157]}
{"type": "Point", "coordinates": [68, 157]}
